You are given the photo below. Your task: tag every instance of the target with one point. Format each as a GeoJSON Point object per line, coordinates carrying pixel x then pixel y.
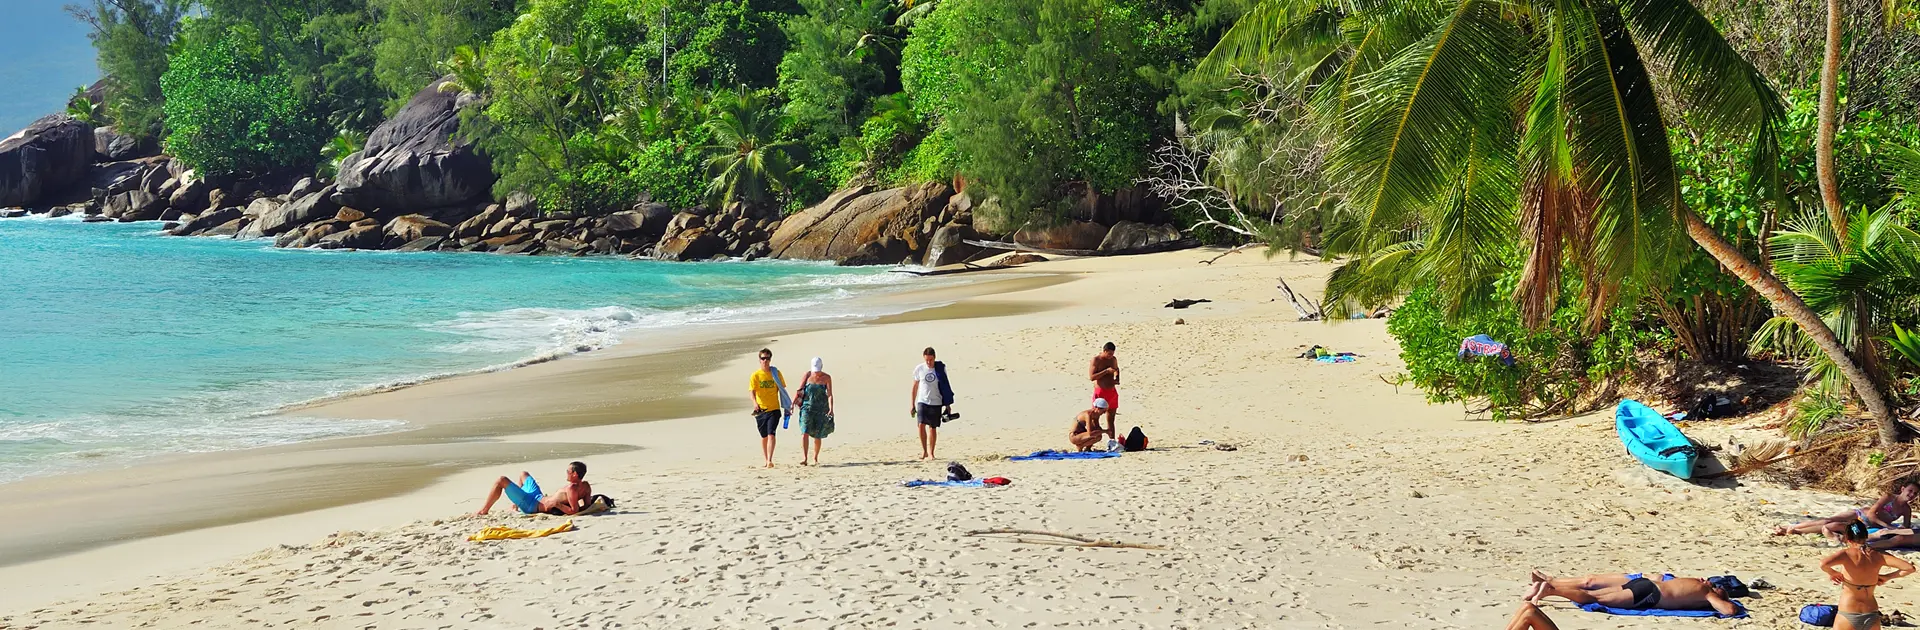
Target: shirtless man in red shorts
{"type": "Point", "coordinates": [1105, 374]}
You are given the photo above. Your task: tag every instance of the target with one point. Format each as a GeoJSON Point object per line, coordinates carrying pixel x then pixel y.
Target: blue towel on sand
{"type": "Point", "coordinates": [1662, 612]}
{"type": "Point", "coordinates": [1052, 454]}
{"type": "Point", "coordinates": [1335, 358]}
{"type": "Point", "coordinates": [970, 483]}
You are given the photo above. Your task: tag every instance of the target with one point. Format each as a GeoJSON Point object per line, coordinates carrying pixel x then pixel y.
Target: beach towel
{"type": "Point", "coordinates": [1740, 612]}
{"type": "Point", "coordinates": [502, 532]}
{"type": "Point", "coordinates": [786, 400]}
{"type": "Point", "coordinates": [970, 483]}
{"type": "Point", "coordinates": [1053, 454]}
{"type": "Point", "coordinates": [1335, 358]}
{"type": "Point", "coordinates": [1484, 346]}
{"type": "Point", "coordinates": [946, 387]}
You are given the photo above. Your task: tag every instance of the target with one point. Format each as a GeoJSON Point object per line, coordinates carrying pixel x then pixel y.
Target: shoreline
{"type": "Point", "coordinates": [454, 425]}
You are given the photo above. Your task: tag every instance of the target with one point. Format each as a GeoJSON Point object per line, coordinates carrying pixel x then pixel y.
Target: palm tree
{"type": "Point", "coordinates": [1859, 280]}
{"type": "Point", "coordinates": [747, 161]}
{"type": "Point", "coordinates": [468, 70]}
{"type": "Point", "coordinates": [1456, 116]}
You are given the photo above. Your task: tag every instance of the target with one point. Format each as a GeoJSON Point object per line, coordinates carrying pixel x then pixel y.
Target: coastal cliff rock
{"type": "Point", "coordinates": [415, 160]}
{"type": "Point", "coordinates": [48, 156]}
{"type": "Point", "coordinates": [855, 226]}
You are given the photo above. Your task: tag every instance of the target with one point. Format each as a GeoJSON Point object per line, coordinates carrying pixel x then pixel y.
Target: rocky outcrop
{"type": "Point", "coordinates": [693, 244]}
{"type": "Point", "coordinates": [207, 220]}
{"type": "Point", "coordinates": [302, 211]}
{"type": "Point", "coordinates": [416, 160]}
{"type": "Point", "coordinates": [1127, 235]}
{"type": "Point", "coordinates": [413, 227]}
{"type": "Point", "coordinates": [948, 246]}
{"type": "Point", "coordinates": [109, 145]}
{"type": "Point", "coordinates": [856, 226]}
{"type": "Point", "coordinates": [1085, 235]}
{"type": "Point", "coordinates": [50, 155]}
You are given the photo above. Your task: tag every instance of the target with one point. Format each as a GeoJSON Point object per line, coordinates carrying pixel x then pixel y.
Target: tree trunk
{"type": "Point", "coordinates": [1787, 303]}
{"type": "Point", "coordinates": [1830, 122]}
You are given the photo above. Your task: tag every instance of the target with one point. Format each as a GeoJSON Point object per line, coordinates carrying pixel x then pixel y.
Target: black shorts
{"type": "Point", "coordinates": [767, 422]}
{"type": "Point", "coordinates": [930, 415]}
{"type": "Point", "coordinates": [1646, 594]}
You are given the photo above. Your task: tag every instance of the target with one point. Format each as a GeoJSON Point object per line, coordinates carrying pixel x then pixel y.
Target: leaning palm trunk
{"type": "Point", "coordinates": [1789, 304]}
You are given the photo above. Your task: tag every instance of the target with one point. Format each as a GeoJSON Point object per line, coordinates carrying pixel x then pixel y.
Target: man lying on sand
{"type": "Point", "coordinates": [1634, 590]}
{"type": "Point", "coordinates": [526, 494]}
{"type": "Point", "coordinates": [1086, 427]}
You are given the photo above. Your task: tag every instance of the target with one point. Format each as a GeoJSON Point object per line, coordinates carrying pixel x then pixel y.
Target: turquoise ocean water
{"type": "Point", "coordinates": [117, 342]}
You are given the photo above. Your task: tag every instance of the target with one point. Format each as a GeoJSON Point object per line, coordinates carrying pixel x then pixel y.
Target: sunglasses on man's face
{"type": "Point", "coordinates": [766, 358]}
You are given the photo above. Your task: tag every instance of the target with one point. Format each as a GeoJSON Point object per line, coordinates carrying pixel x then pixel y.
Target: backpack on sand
{"type": "Point", "coordinates": [1136, 441]}
{"type": "Point", "coordinates": [956, 472]}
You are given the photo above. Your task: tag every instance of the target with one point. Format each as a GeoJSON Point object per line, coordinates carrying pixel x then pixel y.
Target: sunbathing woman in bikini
{"type": "Point", "coordinates": [1856, 569]}
{"type": "Point", "coordinates": [1895, 504]}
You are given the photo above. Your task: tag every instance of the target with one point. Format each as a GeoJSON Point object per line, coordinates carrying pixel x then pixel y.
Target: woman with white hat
{"type": "Point", "coordinates": [815, 394]}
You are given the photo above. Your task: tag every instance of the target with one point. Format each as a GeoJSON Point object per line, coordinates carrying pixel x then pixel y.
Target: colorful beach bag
{"type": "Point", "coordinates": [1819, 614]}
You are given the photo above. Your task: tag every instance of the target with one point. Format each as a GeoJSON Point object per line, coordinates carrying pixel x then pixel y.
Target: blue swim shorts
{"type": "Point", "coordinates": [526, 496]}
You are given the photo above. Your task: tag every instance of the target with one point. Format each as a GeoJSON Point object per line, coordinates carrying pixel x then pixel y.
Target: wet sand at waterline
{"type": "Point", "coordinates": [1348, 503]}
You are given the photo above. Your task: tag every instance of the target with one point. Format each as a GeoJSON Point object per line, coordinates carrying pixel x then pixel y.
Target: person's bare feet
{"type": "Point", "coordinates": [1780, 531]}
{"type": "Point", "coordinates": [1540, 577]}
{"type": "Point", "coordinates": [1537, 592]}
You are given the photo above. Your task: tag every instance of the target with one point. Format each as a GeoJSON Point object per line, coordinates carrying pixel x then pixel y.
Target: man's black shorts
{"type": "Point", "coordinates": [930, 415]}
{"type": "Point", "coordinates": [767, 422]}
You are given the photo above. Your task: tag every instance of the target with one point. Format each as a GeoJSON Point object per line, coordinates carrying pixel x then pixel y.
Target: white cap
{"type": "Point", "coordinates": [1099, 403]}
{"type": "Point", "coordinates": [818, 364]}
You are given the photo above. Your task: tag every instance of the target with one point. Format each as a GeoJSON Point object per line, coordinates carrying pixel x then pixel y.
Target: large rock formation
{"type": "Point", "coordinates": [1127, 235]}
{"type": "Point", "coordinates": [415, 160]}
{"type": "Point", "coordinates": [48, 156]}
{"type": "Point", "coordinates": [1085, 235]}
{"type": "Point", "coordinates": [856, 226]}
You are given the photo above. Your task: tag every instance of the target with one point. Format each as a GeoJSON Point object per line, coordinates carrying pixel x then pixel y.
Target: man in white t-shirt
{"type": "Point", "coordinates": [927, 403]}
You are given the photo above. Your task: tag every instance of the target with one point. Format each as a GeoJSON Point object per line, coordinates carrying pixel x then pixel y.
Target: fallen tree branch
{"type": "Point", "coordinates": [1070, 540]}
{"type": "Point", "coordinates": [1235, 250]}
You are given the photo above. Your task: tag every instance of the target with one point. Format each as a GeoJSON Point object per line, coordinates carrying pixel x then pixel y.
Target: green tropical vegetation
{"type": "Point", "coordinates": [1593, 182]}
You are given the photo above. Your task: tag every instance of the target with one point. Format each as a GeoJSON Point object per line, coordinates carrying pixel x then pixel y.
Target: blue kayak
{"type": "Point", "coordinates": [1653, 440]}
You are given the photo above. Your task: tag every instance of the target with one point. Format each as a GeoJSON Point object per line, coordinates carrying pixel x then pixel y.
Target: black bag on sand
{"type": "Point", "coordinates": [956, 472]}
{"type": "Point", "coordinates": [1136, 441]}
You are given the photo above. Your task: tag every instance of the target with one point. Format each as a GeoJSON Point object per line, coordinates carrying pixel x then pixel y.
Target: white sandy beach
{"type": "Point", "coordinates": [1348, 503]}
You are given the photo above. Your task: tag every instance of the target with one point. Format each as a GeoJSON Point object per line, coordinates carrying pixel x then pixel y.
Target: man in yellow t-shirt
{"type": "Point", "coordinates": [766, 387]}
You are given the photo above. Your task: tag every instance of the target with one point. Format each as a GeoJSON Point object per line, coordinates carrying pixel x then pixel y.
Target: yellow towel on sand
{"type": "Point", "coordinates": [502, 532]}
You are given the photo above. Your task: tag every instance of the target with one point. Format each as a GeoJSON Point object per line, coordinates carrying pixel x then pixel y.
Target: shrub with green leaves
{"type": "Point", "coordinates": [1551, 365]}
{"type": "Point", "coordinates": [229, 111]}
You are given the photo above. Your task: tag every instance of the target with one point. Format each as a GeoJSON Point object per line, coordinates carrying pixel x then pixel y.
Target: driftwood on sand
{"type": "Point", "coordinates": [963, 268]}
{"type": "Point", "coordinates": [1167, 246]}
{"type": "Point", "coordinates": [1062, 540]}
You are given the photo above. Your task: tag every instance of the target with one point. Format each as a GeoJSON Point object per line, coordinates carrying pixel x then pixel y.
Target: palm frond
{"type": "Point", "coordinates": [1414, 126]}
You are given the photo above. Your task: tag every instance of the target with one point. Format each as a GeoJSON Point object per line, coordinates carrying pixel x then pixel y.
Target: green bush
{"type": "Point", "coordinates": [1551, 365]}
{"type": "Point", "coordinates": [229, 111]}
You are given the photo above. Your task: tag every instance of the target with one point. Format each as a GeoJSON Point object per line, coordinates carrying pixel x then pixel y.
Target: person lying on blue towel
{"type": "Point", "coordinates": [1634, 591]}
